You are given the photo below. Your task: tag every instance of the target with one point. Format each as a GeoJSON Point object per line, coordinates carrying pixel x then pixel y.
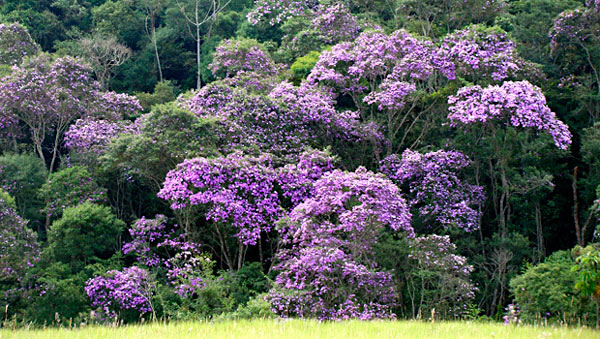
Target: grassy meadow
{"type": "Point", "coordinates": [259, 329]}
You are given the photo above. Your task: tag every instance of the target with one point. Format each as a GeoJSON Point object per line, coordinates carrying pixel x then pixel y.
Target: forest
{"type": "Point", "coordinates": [239, 159]}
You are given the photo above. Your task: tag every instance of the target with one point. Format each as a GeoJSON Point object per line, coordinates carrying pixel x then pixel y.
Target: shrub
{"type": "Point", "coordinates": [84, 234]}
{"type": "Point", "coordinates": [547, 290]}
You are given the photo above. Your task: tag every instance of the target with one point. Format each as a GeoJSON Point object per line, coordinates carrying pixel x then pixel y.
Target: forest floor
{"type": "Point", "coordinates": [259, 329]}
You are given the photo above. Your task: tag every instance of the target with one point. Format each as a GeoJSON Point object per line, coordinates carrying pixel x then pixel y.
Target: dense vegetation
{"type": "Point", "coordinates": [193, 159]}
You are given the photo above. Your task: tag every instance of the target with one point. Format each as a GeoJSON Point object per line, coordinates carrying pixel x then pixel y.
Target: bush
{"type": "Point", "coordinates": [67, 188]}
{"type": "Point", "coordinates": [547, 291]}
{"type": "Point", "coordinates": [85, 234]}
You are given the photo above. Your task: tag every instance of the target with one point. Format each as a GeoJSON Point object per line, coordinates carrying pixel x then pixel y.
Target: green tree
{"type": "Point", "coordinates": [85, 234]}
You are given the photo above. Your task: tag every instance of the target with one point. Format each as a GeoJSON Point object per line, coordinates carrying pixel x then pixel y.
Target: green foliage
{"type": "Point", "coordinates": [67, 188]}
{"type": "Point", "coordinates": [84, 235]}
{"type": "Point", "coordinates": [547, 290]}
{"type": "Point", "coordinates": [22, 175]}
{"type": "Point", "coordinates": [164, 92]}
{"type": "Point", "coordinates": [165, 141]}
{"type": "Point", "coordinates": [587, 266]}
{"type": "Point", "coordinates": [10, 201]}
{"type": "Point", "coordinates": [303, 65]}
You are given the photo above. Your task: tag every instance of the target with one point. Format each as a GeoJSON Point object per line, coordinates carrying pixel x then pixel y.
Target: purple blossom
{"type": "Point", "coordinates": [129, 289]}
{"type": "Point", "coordinates": [437, 192]}
{"type": "Point", "coordinates": [518, 104]}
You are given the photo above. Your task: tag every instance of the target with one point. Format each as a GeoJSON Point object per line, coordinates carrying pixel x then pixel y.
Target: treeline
{"type": "Point", "coordinates": [327, 159]}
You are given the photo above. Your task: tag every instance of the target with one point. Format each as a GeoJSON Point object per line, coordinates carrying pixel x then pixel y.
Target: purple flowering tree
{"type": "Point", "coordinates": [19, 249]}
{"type": "Point", "coordinates": [158, 247]}
{"type": "Point", "coordinates": [129, 289]}
{"type": "Point", "coordinates": [494, 114]}
{"type": "Point", "coordinates": [517, 104]}
{"type": "Point", "coordinates": [16, 44]}
{"type": "Point", "coordinates": [283, 123]}
{"type": "Point", "coordinates": [46, 97]}
{"type": "Point", "coordinates": [438, 278]}
{"type": "Point", "coordinates": [479, 52]}
{"type": "Point", "coordinates": [576, 36]}
{"type": "Point", "coordinates": [297, 180]}
{"type": "Point", "coordinates": [327, 269]}
{"type": "Point", "coordinates": [385, 76]}
{"type": "Point", "coordinates": [237, 55]}
{"type": "Point", "coordinates": [438, 194]}
{"type": "Point", "coordinates": [237, 194]}
{"type": "Point", "coordinates": [509, 130]}
{"type": "Point", "coordinates": [276, 12]}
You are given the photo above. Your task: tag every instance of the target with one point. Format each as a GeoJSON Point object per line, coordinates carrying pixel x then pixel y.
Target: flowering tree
{"type": "Point", "coordinates": [129, 289]}
{"type": "Point", "coordinates": [236, 55]}
{"type": "Point", "coordinates": [19, 248]}
{"type": "Point", "coordinates": [438, 194]}
{"type": "Point", "coordinates": [577, 33]}
{"type": "Point", "coordinates": [328, 271]}
{"type": "Point", "coordinates": [276, 12]}
{"type": "Point", "coordinates": [335, 23]}
{"type": "Point", "coordinates": [157, 247]}
{"type": "Point", "coordinates": [297, 180]}
{"type": "Point", "coordinates": [16, 44]}
{"type": "Point", "coordinates": [47, 96]}
{"type": "Point", "coordinates": [385, 76]}
{"type": "Point", "coordinates": [500, 122]}
{"type": "Point", "coordinates": [438, 278]}
{"type": "Point", "coordinates": [282, 123]}
{"type": "Point", "coordinates": [234, 191]}
{"type": "Point", "coordinates": [481, 52]}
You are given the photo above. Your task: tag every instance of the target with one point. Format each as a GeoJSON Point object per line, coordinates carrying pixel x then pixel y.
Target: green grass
{"type": "Point", "coordinates": [259, 329]}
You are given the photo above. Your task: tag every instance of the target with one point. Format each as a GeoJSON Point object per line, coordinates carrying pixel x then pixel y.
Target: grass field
{"type": "Point", "coordinates": [259, 329]}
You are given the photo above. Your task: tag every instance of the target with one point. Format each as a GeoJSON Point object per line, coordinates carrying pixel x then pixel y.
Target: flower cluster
{"type": "Point", "coordinates": [19, 248]}
{"type": "Point", "coordinates": [116, 106]}
{"type": "Point", "coordinates": [357, 67]}
{"type": "Point", "coordinates": [157, 247]}
{"type": "Point", "coordinates": [581, 25]}
{"type": "Point", "coordinates": [234, 189]}
{"type": "Point", "coordinates": [329, 271]}
{"type": "Point", "coordinates": [511, 315]}
{"type": "Point", "coordinates": [283, 123]}
{"type": "Point", "coordinates": [335, 23]}
{"type": "Point", "coordinates": [297, 180]}
{"type": "Point", "coordinates": [237, 55]}
{"type": "Point", "coordinates": [480, 51]}
{"type": "Point", "coordinates": [437, 193]}
{"type": "Point", "coordinates": [90, 135]}
{"type": "Point", "coordinates": [129, 289]}
{"type": "Point", "coordinates": [279, 11]}
{"type": "Point", "coordinates": [15, 44]}
{"type": "Point", "coordinates": [518, 104]}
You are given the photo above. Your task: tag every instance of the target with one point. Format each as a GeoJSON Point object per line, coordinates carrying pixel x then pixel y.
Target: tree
{"type": "Point", "coordinates": [47, 96]}
{"type": "Point", "coordinates": [327, 269]}
{"type": "Point", "coordinates": [84, 235]}
{"type": "Point", "coordinates": [104, 54]}
{"type": "Point", "coordinates": [237, 194]}
{"type": "Point", "coordinates": [152, 9]}
{"type": "Point", "coordinates": [211, 10]}
{"type": "Point", "coordinates": [435, 190]}
{"type": "Point", "coordinates": [19, 250]}
{"type": "Point", "coordinates": [16, 44]}
{"type": "Point", "coordinates": [587, 265]}
{"type": "Point", "coordinates": [69, 188]}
